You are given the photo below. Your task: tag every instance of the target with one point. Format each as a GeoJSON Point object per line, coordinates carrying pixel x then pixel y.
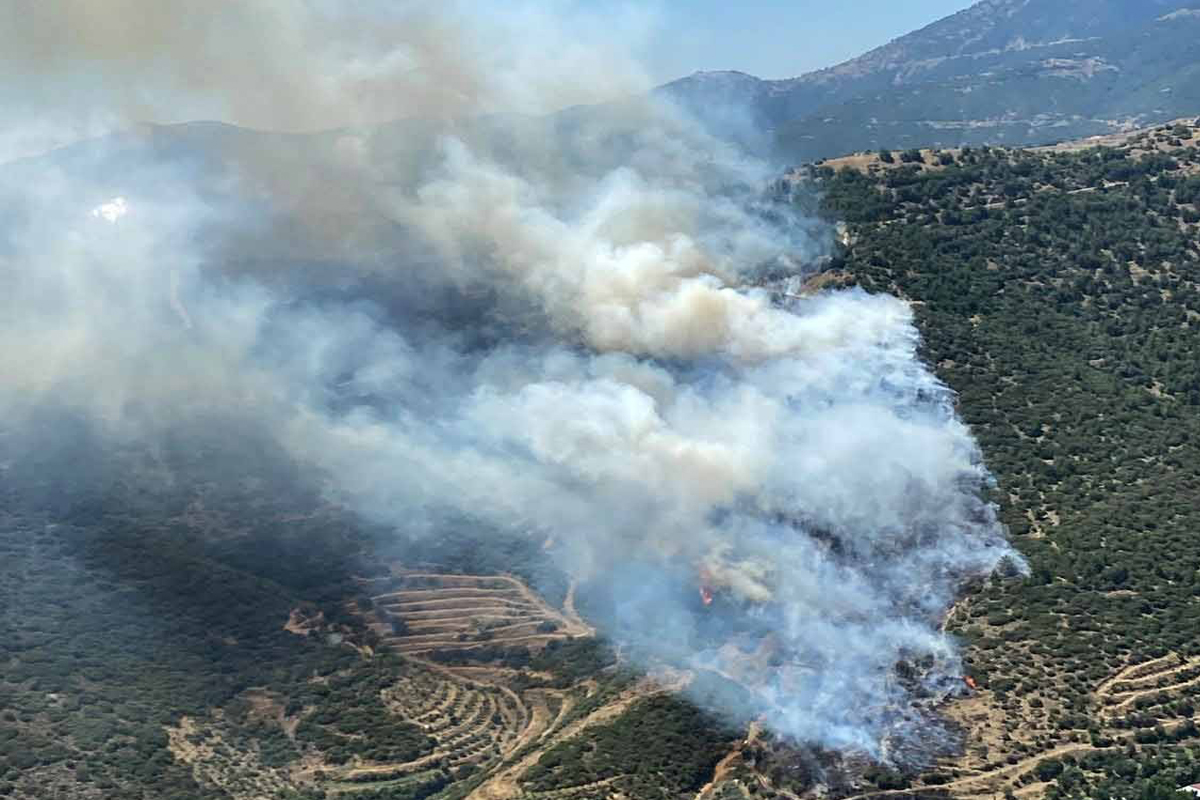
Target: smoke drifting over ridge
{"type": "Point", "coordinates": [546, 324]}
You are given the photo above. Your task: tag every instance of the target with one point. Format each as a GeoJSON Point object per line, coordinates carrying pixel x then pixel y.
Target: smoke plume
{"type": "Point", "coordinates": [548, 322]}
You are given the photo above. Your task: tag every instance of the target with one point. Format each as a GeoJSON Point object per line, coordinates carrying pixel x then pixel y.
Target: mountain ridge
{"type": "Point", "coordinates": [1015, 72]}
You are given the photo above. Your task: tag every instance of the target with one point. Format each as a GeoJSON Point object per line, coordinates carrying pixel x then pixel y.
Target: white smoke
{"type": "Point", "coordinates": [831, 492]}
{"type": "Point", "coordinates": [547, 325]}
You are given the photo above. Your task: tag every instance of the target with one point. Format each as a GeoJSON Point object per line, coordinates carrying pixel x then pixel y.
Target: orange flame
{"type": "Point", "coordinates": [706, 592]}
{"type": "Point", "coordinates": [970, 682]}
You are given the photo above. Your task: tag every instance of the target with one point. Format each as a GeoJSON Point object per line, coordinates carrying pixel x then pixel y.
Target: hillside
{"type": "Point", "coordinates": [1003, 71]}
{"type": "Point", "coordinates": [193, 613]}
{"type": "Point", "coordinates": [232, 637]}
{"type": "Point", "coordinates": [1058, 292]}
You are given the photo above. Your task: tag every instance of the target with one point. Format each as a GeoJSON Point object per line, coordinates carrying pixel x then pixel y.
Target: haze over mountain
{"type": "Point", "coordinates": [1012, 72]}
{"type": "Point", "coordinates": [1002, 71]}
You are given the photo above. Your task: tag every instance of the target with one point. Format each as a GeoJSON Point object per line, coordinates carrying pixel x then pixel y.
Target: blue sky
{"type": "Point", "coordinates": [774, 39]}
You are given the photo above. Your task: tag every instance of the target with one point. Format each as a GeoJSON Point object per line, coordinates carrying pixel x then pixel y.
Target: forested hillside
{"type": "Point", "coordinates": [126, 607]}
{"type": "Point", "coordinates": [1057, 292]}
{"type": "Point", "coordinates": [231, 635]}
{"type": "Point", "coordinates": [185, 625]}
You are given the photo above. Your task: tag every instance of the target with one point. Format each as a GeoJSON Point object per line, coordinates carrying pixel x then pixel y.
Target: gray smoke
{"type": "Point", "coordinates": [545, 324]}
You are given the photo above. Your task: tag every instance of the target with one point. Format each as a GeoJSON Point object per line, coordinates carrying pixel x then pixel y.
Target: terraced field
{"type": "Point", "coordinates": [423, 612]}
{"type": "Point", "coordinates": [491, 724]}
{"type": "Point", "coordinates": [485, 723]}
{"type": "Point", "coordinates": [477, 722]}
{"type": "Point", "coordinates": [1149, 685]}
{"type": "Point", "coordinates": [474, 724]}
{"type": "Point", "coordinates": [1152, 694]}
{"type": "Point", "coordinates": [479, 716]}
{"type": "Point", "coordinates": [505, 783]}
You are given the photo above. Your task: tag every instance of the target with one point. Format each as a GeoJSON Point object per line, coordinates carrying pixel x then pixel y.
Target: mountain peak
{"type": "Point", "coordinates": [727, 78]}
{"type": "Point", "coordinates": [1002, 71]}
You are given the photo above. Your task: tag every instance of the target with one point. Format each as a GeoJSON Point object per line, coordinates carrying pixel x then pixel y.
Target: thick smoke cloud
{"type": "Point", "coordinates": [77, 67]}
{"type": "Point", "coordinates": [544, 324]}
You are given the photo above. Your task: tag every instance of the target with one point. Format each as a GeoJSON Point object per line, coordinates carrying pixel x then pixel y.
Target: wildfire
{"type": "Point", "coordinates": [706, 592]}
{"type": "Point", "coordinates": [970, 682]}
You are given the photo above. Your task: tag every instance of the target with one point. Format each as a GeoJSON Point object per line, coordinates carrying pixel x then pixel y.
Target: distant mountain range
{"type": "Point", "coordinates": [1002, 71]}
{"type": "Point", "coordinates": [1013, 72]}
